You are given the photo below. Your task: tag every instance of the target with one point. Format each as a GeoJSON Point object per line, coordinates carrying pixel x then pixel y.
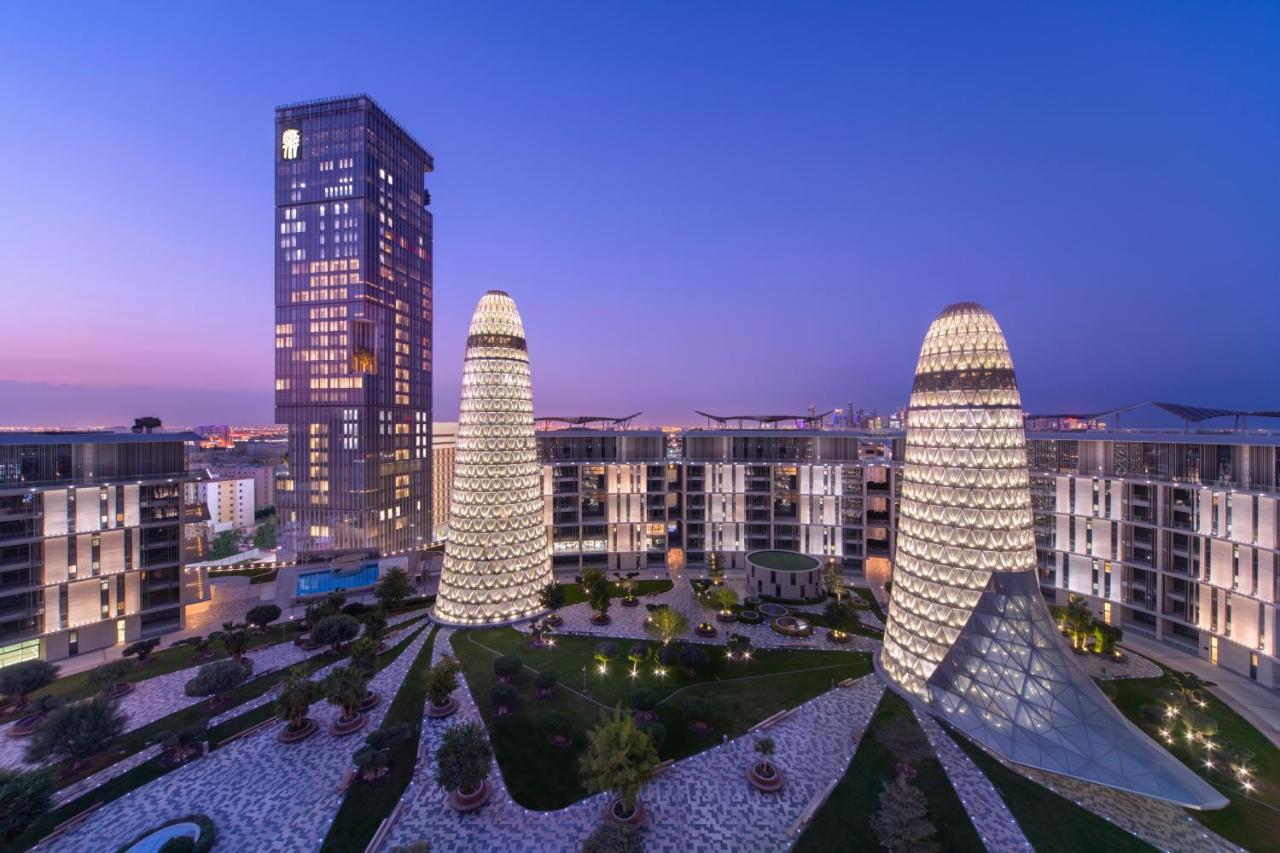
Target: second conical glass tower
{"type": "Point", "coordinates": [496, 557]}
{"type": "Point", "coordinates": [969, 636]}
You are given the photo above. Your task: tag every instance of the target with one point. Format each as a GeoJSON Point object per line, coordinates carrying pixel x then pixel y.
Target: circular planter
{"type": "Point", "coordinates": [700, 727]}
{"type": "Point", "coordinates": [370, 701]}
{"type": "Point", "coordinates": [118, 691]}
{"type": "Point", "coordinates": [437, 712]}
{"type": "Point", "coordinates": [750, 617]}
{"type": "Point", "coordinates": [752, 601]}
{"type": "Point", "coordinates": [26, 726]}
{"type": "Point", "coordinates": [461, 802]}
{"type": "Point", "coordinates": [838, 637]}
{"type": "Point", "coordinates": [773, 610]}
{"type": "Point", "coordinates": [306, 730]}
{"type": "Point", "coordinates": [705, 629]}
{"type": "Point", "coordinates": [546, 692]}
{"type": "Point", "coordinates": [756, 775]}
{"type": "Point", "coordinates": [554, 620]}
{"type": "Point", "coordinates": [791, 626]}
{"type": "Point", "coordinates": [196, 827]}
{"type": "Point", "coordinates": [613, 809]}
{"type": "Point", "coordinates": [597, 619]}
{"type": "Point", "coordinates": [724, 618]}
{"type": "Point", "coordinates": [341, 728]}
{"type": "Point", "coordinates": [560, 741]}
{"type": "Point", "coordinates": [630, 602]}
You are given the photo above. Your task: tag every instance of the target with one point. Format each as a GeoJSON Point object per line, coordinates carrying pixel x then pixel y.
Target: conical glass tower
{"type": "Point", "coordinates": [969, 636]}
{"type": "Point", "coordinates": [496, 556]}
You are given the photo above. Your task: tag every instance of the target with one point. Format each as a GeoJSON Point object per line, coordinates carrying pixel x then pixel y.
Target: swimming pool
{"type": "Point", "coordinates": [331, 580]}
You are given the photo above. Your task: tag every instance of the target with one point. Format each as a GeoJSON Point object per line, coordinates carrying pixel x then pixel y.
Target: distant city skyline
{"type": "Point", "coordinates": [685, 227]}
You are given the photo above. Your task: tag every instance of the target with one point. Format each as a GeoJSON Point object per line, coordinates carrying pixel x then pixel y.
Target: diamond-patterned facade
{"type": "Point", "coordinates": [969, 635]}
{"type": "Point", "coordinates": [496, 556]}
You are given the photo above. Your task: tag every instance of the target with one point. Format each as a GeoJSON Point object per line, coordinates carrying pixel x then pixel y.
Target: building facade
{"type": "Point", "coordinates": [634, 500]}
{"type": "Point", "coordinates": [1169, 535]}
{"type": "Point", "coordinates": [92, 544]}
{"type": "Point", "coordinates": [230, 502]}
{"type": "Point", "coordinates": [444, 452]}
{"type": "Point", "coordinates": [353, 329]}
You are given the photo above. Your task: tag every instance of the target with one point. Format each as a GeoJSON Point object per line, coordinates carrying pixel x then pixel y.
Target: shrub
{"type": "Point", "coordinates": [644, 700]}
{"type": "Point", "coordinates": [596, 588]}
{"type": "Point", "coordinates": [142, 649]}
{"type": "Point", "coordinates": [363, 655]}
{"type": "Point", "coordinates": [442, 680]}
{"type": "Point", "coordinates": [504, 696]}
{"type": "Point", "coordinates": [545, 680]}
{"type": "Point", "coordinates": [110, 674]}
{"type": "Point", "coordinates": [262, 615]}
{"type": "Point", "coordinates": [693, 658]}
{"type": "Point", "coordinates": [555, 723]}
{"type": "Point", "coordinates": [462, 761]}
{"type": "Point", "coordinates": [613, 838]}
{"type": "Point", "coordinates": [507, 666]}
{"type": "Point", "coordinates": [393, 588]}
{"type": "Point", "coordinates": [1165, 696]}
{"type": "Point", "coordinates": [374, 757]}
{"type": "Point", "coordinates": [606, 651]}
{"type": "Point", "coordinates": [1153, 713]}
{"type": "Point", "coordinates": [619, 758]}
{"type": "Point", "coordinates": [77, 732]}
{"type": "Point", "coordinates": [218, 679]}
{"type": "Point", "coordinates": [25, 796]}
{"type": "Point", "coordinates": [179, 741]}
{"type": "Point", "coordinates": [638, 653]}
{"type": "Point", "coordinates": [1105, 638]}
{"type": "Point", "coordinates": [656, 731]}
{"type": "Point", "coordinates": [842, 616]}
{"type": "Point", "coordinates": [669, 655]}
{"type": "Point", "coordinates": [1200, 722]}
{"type": "Point", "coordinates": [335, 630]}
{"type": "Point", "coordinates": [696, 710]}
{"type": "Point", "coordinates": [552, 596]}
{"type": "Point", "coordinates": [356, 609]}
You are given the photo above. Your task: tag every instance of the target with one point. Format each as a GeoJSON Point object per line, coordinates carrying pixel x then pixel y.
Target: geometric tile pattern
{"type": "Point", "coordinates": [969, 636]}
{"type": "Point", "coordinates": [496, 555]}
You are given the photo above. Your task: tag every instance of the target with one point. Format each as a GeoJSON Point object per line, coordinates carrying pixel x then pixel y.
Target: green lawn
{"type": "Point", "coordinates": [259, 574]}
{"type": "Point", "coordinates": [155, 768]}
{"type": "Point", "coordinates": [1052, 824]}
{"type": "Point", "coordinates": [1252, 820]}
{"type": "Point", "coordinates": [844, 821]}
{"type": "Point", "coordinates": [542, 776]}
{"type": "Point", "coordinates": [366, 804]}
{"type": "Point", "coordinates": [573, 593]}
{"type": "Point", "coordinates": [870, 598]}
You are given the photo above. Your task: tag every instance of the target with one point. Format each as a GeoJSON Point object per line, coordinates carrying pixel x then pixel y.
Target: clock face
{"type": "Point", "coordinates": [290, 143]}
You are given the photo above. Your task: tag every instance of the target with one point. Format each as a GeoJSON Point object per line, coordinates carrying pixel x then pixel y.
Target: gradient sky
{"type": "Point", "coordinates": [720, 206]}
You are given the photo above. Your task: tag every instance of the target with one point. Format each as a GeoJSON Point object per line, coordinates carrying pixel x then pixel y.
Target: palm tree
{"type": "Point", "coordinates": [345, 688]}
{"type": "Point", "coordinates": [296, 695]}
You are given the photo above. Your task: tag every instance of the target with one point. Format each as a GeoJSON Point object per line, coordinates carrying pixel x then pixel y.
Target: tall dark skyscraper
{"type": "Point", "coordinates": [353, 328]}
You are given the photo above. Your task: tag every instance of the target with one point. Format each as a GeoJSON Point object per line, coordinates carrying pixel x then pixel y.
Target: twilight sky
{"type": "Point", "coordinates": [718, 206]}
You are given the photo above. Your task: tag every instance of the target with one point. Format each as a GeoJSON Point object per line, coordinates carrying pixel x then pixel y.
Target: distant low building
{"type": "Point", "coordinates": [230, 502]}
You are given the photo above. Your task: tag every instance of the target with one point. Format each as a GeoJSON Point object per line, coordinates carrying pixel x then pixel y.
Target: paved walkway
{"type": "Point", "coordinates": [262, 795]}
{"type": "Point", "coordinates": [991, 818]}
{"type": "Point", "coordinates": [703, 803]}
{"type": "Point", "coordinates": [1249, 699]}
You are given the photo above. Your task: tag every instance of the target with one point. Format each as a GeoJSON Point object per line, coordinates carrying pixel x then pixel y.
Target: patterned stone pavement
{"type": "Point", "coordinates": [991, 818]}
{"type": "Point", "coordinates": [629, 622]}
{"type": "Point", "coordinates": [1133, 666]}
{"type": "Point", "coordinates": [702, 803]}
{"type": "Point", "coordinates": [262, 795]}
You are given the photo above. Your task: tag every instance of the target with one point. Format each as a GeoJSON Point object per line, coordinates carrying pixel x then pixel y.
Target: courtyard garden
{"type": "Point", "coordinates": [687, 699]}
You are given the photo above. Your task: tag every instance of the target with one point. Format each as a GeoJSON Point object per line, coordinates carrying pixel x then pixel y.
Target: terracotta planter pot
{"type": "Point", "coordinates": [341, 728]}
{"type": "Point", "coordinates": [370, 701]}
{"type": "Point", "coordinates": [309, 727]}
{"type": "Point", "coordinates": [762, 782]}
{"type": "Point", "coordinates": [437, 712]}
{"type": "Point", "coordinates": [560, 741]}
{"type": "Point", "coordinates": [630, 602]}
{"type": "Point", "coordinates": [470, 802]}
{"type": "Point", "coordinates": [705, 630]}
{"type": "Point", "coordinates": [724, 618]}
{"type": "Point", "coordinates": [555, 620]}
{"type": "Point", "coordinates": [119, 691]}
{"type": "Point", "coordinates": [700, 728]}
{"type": "Point", "coordinates": [614, 806]}
{"type": "Point", "coordinates": [597, 619]}
{"type": "Point", "coordinates": [838, 638]}
{"type": "Point", "coordinates": [26, 726]}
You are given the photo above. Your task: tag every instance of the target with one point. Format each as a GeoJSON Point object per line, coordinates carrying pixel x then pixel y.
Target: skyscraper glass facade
{"type": "Point", "coordinates": [353, 328]}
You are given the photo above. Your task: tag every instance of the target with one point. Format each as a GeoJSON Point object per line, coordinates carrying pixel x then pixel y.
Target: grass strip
{"type": "Point", "coordinates": [573, 593]}
{"type": "Point", "coordinates": [847, 813]}
{"type": "Point", "coordinates": [366, 804]}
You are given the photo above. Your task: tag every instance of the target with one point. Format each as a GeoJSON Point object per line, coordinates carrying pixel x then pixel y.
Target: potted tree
{"type": "Point", "coordinates": [596, 587]}
{"type": "Point", "coordinates": [217, 680]}
{"type": "Point", "coordinates": [17, 682]}
{"type": "Point", "coordinates": [363, 657]}
{"type": "Point", "coordinates": [373, 759]}
{"type": "Point", "coordinates": [333, 631]}
{"type": "Point", "coordinates": [843, 618]}
{"type": "Point", "coordinates": [724, 599]}
{"type": "Point", "coordinates": [110, 679]}
{"type": "Point", "coordinates": [698, 714]}
{"type": "Point", "coordinates": [442, 681]}
{"type": "Point", "coordinates": [627, 583]}
{"type": "Point", "coordinates": [552, 598]}
{"type": "Point", "coordinates": [393, 588]}
{"type": "Point", "coordinates": [462, 766]}
{"type": "Point", "coordinates": [762, 774]}
{"type": "Point", "coordinates": [504, 698]}
{"type": "Point", "coordinates": [556, 727]}
{"type": "Point", "coordinates": [620, 759]}
{"type": "Point", "coordinates": [666, 623]}
{"type": "Point", "coordinates": [294, 702]}
{"type": "Point", "coordinates": [345, 688]}
{"type": "Point", "coordinates": [77, 732]}
{"type": "Point", "coordinates": [545, 684]}
{"type": "Point", "coordinates": [235, 642]}
{"type": "Point", "coordinates": [643, 703]}
{"type": "Point", "coordinates": [506, 668]}
{"type": "Point", "coordinates": [27, 796]}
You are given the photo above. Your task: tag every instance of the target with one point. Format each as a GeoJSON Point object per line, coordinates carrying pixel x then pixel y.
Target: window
{"type": "Point", "coordinates": [18, 652]}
